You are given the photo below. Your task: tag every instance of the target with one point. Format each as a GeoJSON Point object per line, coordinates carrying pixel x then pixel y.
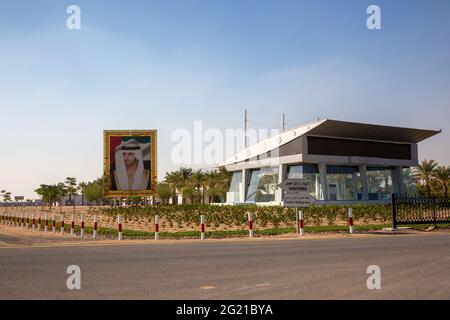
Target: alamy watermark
{"type": "Point", "coordinates": [374, 280]}
{"type": "Point", "coordinates": [202, 146]}
{"type": "Point", "coordinates": [74, 280]}
{"type": "Point", "coordinates": [73, 21]}
{"type": "Point", "coordinates": [374, 20]}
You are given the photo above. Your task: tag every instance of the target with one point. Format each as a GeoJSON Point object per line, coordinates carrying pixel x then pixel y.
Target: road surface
{"type": "Point", "coordinates": [412, 267]}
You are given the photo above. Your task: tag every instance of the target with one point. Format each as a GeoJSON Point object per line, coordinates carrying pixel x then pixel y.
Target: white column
{"type": "Point", "coordinates": [364, 181]}
{"type": "Point", "coordinates": [243, 190]}
{"type": "Point", "coordinates": [323, 180]}
{"type": "Point", "coordinates": [399, 186]}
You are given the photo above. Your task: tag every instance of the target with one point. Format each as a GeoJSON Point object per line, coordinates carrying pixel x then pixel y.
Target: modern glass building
{"type": "Point", "coordinates": [345, 162]}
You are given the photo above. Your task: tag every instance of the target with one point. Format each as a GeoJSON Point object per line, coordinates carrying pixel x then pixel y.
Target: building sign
{"type": "Point", "coordinates": [19, 198]}
{"type": "Point", "coordinates": [296, 193]}
{"type": "Point", "coordinates": [129, 163]}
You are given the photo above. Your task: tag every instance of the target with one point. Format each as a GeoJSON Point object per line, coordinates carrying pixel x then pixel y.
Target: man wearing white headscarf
{"type": "Point", "coordinates": [130, 173]}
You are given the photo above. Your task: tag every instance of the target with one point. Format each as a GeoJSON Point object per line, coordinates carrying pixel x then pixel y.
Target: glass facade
{"type": "Point", "coordinates": [262, 185]}
{"type": "Point", "coordinates": [380, 183]}
{"type": "Point", "coordinates": [409, 182]}
{"type": "Point", "coordinates": [308, 172]}
{"type": "Point", "coordinates": [235, 187]}
{"type": "Point", "coordinates": [344, 183]}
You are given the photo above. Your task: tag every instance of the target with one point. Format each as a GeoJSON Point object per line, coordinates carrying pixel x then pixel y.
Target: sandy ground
{"type": "Point", "coordinates": [14, 237]}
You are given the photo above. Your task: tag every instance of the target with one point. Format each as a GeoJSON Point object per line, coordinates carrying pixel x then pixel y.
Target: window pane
{"type": "Point", "coordinates": [380, 183]}
{"type": "Point", "coordinates": [344, 183]}
{"type": "Point", "coordinates": [409, 182]}
{"type": "Point", "coordinates": [308, 172]}
{"type": "Point", "coordinates": [236, 180]}
{"type": "Point", "coordinates": [263, 185]}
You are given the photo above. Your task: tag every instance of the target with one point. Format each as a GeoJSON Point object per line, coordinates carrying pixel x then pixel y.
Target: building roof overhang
{"type": "Point", "coordinates": [333, 128]}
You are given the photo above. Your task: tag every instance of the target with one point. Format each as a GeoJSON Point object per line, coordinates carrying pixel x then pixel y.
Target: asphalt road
{"type": "Point", "coordinates": [412, 267]}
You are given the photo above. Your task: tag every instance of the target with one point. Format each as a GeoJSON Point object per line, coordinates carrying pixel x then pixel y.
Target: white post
{"type": "Point", "coordinates": [94, 234]}
{"type": "Point", "coordinates": [22, 218]}
{"type": "Point", "coordinates": [62, 223]}
{"type": "Point", "coordinates": [301, 223]}
{"type": "Point", "coordinates": [250, 224]}
{"type": "Point", "coordinates": [46, 222]}
{"type": "Point", "coordinates": [202, 227]}
{"type": "Point", "coordinates": [82, 226]}
{"type": "Point", "coordinates": [157, 227]}
{"type": "Point", "coordinates": [33, 221]}
{"type": "Point", "coordinates": [350, 219]}
{"type": "Point", "coordinates": [39, 221]}
{"type": "Point", "coordinates": [28, 220]}
{"type": "Point", "coordinates": [119, 226]}
{"type": "Point", "coordinates": [72, 224]}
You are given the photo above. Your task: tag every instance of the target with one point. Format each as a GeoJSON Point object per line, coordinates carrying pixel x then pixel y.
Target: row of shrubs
{"type": "Point", "coordinates": [262, 215]}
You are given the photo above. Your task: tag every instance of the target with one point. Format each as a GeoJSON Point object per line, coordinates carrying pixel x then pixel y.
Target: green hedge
{"type": "Point", "coordinates": [262, 215]}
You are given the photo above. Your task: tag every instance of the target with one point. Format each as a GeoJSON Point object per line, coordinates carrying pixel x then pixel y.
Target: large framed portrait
{"type": "Point", "coordinates": [129, 163]}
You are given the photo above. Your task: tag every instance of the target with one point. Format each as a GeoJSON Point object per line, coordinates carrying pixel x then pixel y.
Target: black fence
{"type": "Point", "coordinates": [419, 210]}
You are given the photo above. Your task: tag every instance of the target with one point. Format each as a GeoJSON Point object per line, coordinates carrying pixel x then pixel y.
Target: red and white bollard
{"type": "Point", "coordinates": [72, 225]}
{"type": "Point", "coordinates": [156, 227]}
{"type": "Point", "coordinates": [53, 223]}
{"type": "Point", "coordinates": [350, 219]}
{"type": "Point", "coordinates": [301, 223]}
{"type": "Point", "coordinates": [119, 227]}
{"type": "Point", "coordinates": [94, 234]}
{"type": "Point", "coordinates": [62, 223]}
{"type": "Point", "coordinates": [82, 225]}
{"type": "Point", "coordinates": [28, 220]}
{"type": "Point", "coordinates": [250, 224]}
{"type": "Point", "coordinates": [39, 222]}
{"type": "Point", "coordinates": [202, 227]}
{"type": "Point", "coordinates": [46, 223]}
{"type": "Point", "coordinates": [22, 220]}
{"type": "Point", "coordinates": [33, 221]}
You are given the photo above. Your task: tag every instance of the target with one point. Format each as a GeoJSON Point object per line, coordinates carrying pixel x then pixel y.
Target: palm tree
{"type": "Point", "coordinates": [218, 183]}
{"type": "Point", "coordinates": [424, 173]}
{"type": "Point", "coordinates": [197, 178]}
{"type": "Point", "coordinates": [442, 175]}
{"type": "Point", "coordinates": [179, 180]}
{"type": "Point", "coordinates": [71, 188]}
{"type": "Point", "coordinates": [82, 187]}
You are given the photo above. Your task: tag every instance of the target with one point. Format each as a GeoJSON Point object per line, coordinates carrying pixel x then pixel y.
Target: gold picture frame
{"type": "Point", "coordinates": [153, 176]}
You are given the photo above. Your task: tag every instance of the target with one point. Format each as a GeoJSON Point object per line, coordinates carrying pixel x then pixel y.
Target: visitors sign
{"type": "Point", "coordinates": [296, 193]}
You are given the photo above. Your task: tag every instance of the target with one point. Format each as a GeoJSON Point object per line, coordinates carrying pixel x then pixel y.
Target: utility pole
{"type": "Point", "coordinates": [283, 122]}
{"type": "Point", "coordinates": [245, 128]}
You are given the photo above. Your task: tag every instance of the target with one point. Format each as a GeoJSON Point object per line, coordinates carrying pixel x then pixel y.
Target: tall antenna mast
{"type": "Point", "coordinates": [245, 128]}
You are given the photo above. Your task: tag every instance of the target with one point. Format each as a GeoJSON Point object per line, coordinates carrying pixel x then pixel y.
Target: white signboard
{"type": "Point", "coordinates": [296, 193]}
{"type": "Point", "coordinates": [302, 200]}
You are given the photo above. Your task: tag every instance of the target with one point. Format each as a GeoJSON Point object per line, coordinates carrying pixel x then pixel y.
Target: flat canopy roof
{"type": "Point", "coordinates": [365, 131]}
{"type": "Point", "coordinates": [334, 128]}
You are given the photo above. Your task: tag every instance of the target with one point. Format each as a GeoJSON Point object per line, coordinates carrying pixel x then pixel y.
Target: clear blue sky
{"type": "Point", "coordinates": [165, 64]}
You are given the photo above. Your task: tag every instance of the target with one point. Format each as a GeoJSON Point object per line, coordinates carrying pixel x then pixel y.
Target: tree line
{"type": "Point", "coordinates": [432, 179]}
{"type": "Point", "coordinates": [200, 186]}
